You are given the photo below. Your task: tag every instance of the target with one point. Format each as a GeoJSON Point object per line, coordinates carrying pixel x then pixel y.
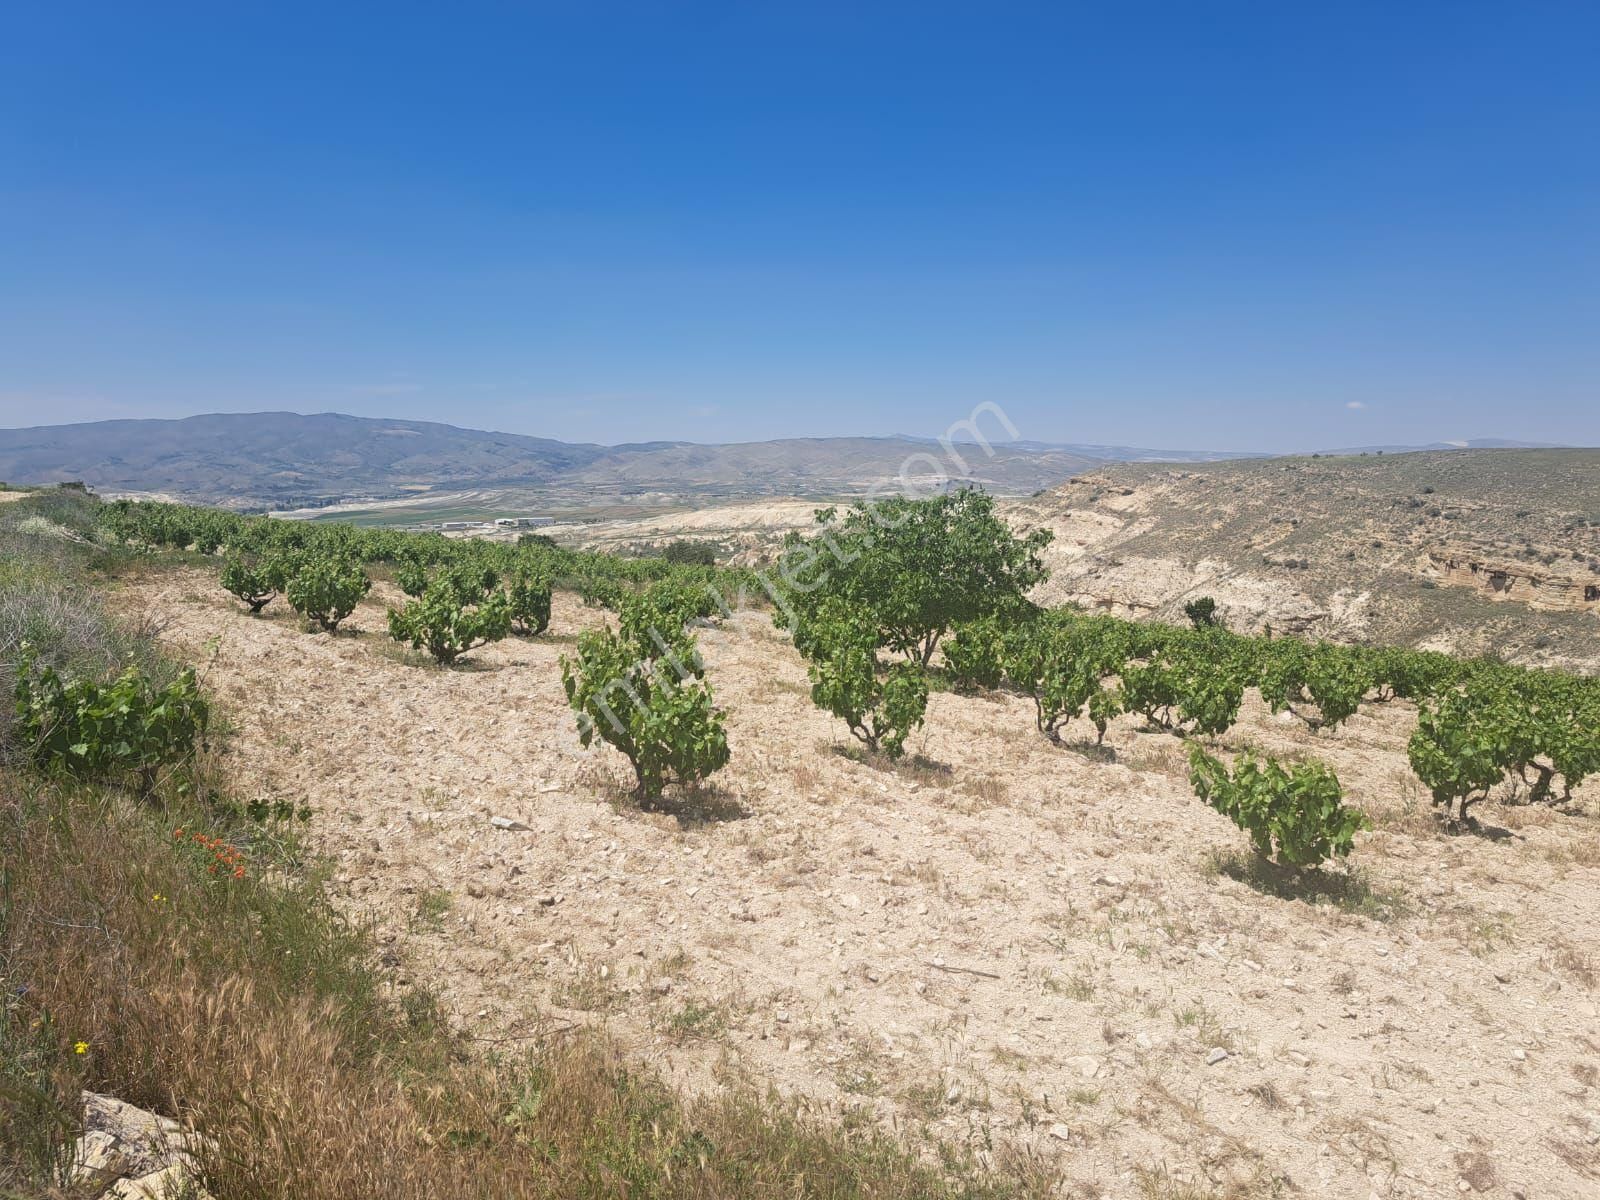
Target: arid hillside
{"type": "Point", "coordinates": [1032, 950]}
{"type": "Point", "coordinates": [1466, 550]}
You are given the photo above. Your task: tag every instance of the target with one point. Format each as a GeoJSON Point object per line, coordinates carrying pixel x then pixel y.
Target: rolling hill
{"type": "Point", "coordinates": [282, 460]}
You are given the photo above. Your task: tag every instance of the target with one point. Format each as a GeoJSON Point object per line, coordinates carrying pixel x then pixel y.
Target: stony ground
{"type": "Point", "coordinates": [1030, 949]}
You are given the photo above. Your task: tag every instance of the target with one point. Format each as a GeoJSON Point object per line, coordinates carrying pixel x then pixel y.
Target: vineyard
{"type": "Point", "coordinates": [868, 615]}
{"type": "Point", "coordinates": [1197, 912]}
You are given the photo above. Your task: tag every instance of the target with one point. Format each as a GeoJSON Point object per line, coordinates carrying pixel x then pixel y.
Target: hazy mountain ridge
{"type": "Point", "coordinates": [283, 460]}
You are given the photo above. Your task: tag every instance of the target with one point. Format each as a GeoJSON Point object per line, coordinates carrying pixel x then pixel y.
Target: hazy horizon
{"type": "Point", "coordinates": [989, 429]}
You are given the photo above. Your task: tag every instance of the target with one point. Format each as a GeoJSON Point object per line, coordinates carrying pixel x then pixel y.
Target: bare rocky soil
{"type": "Point", "coordinates": [1026, 948]}
{"type": "Point", "coordinates": [1467, 551]}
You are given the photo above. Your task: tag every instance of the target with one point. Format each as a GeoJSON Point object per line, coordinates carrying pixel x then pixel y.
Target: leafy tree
{"type": "Point", "coordinates": [652, 705]}
{"type": "Point", "coordinates": [255, 584]}
{"type": "Point", "coordinates": [325, 590]}
{"type": "Point", "coordinates": [440, 623]}
{"type": "Point", "coordinates": [1202, 612]}
{"type": "Point", "coordinates": [915, 568]}
{"type": "Point", "coordinates": [1296, 814]}
{"type": "Point", "coordinates": [131, 726]}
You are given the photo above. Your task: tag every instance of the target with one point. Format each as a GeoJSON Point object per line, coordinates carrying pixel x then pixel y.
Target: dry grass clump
{"type": "Point", "coordinates": [246, 1008]}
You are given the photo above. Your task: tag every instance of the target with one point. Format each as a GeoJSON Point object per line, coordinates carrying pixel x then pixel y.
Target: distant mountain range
{"type": "Point", "coordinates": [281, 460]}
{"type": "Point", "coordinates": [1468, 444]}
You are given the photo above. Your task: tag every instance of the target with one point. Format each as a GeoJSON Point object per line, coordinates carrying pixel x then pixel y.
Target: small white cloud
{"type": "Point", "coordinates": [1356, 405]}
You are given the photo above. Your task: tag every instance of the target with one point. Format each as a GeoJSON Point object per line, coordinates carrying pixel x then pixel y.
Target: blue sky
{"type": "Point", "coordinates": [1253, 226]}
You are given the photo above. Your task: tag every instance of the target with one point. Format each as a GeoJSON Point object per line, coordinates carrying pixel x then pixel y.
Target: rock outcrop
{"type": "Point", "coordinates": [127, 1153]}
{"type": "Point", "coordinates": [1549, 587]}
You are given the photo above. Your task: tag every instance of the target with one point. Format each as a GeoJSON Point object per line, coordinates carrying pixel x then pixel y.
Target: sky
{"type": "Point", "coordinates": [1248, 226]}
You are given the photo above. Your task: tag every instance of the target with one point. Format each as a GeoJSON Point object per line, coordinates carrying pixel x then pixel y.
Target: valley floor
{"type": "Point", "coordinates": [1000, 941]}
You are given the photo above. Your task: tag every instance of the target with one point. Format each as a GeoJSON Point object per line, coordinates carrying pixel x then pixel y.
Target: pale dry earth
{"type": "Point", "coordinates": [1468, 551]}
{"type": "Point", "coordinates": [745, 533]}
{"type": "Point", "coordinates": [1346, 549]}
{"type": "Point", "coordinates": [1004, 943]}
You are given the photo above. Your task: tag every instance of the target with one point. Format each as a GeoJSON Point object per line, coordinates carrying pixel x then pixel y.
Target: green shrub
{"type": "Point", "coordinates": [130, 727]}
{"type": "Point", "coordinates": [439, 622]}
{"type": "Point", "coordinates": [599, 591]}
{"type": "Point", "coordinates": [974, 654]}
{"type": "Point", "coordinates": [1459, 751]}
{"type": "Point", "coordinates": [1202, 612]}
{"type": "Point", "coordinates": [649, 703]}
{"type": "Point", "coordinates": [690, 553]}
{"type": "Point", "coordinates": [880, 706]}
{"type": "Point", "coordinates": [1296, 815]}
{"type": "Point", "coordinates": [529, 597]}
{"type": "Point", "coordinates": [1323, 685]}
{"type": "Point", "coordinates": [326, 590]}
{"type": "Point", "coordinates": [255, 584]}
{"type": "Point", "coordinates": [411, 576]}
{"type": "Point", "coordinates": [660, 612]}
{"type": "Point", "coordinates": [1412, 674]}
{"type": "Point", "coordinates": [1500, 722]}
{"type": "Point", "coordinates": [1187, 682]}
{"type": "Point", "coordinates": [1068, 665]}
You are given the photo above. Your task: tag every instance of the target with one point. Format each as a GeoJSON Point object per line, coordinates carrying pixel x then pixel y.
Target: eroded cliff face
{"type": "Point", "coordinates": [1547, 588]}
{"type": "Point", "coordinates": [1350, 550]}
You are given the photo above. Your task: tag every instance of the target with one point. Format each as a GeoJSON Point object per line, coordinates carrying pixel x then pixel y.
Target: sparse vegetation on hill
{"type": "Point", "coordinates": [179, 951]}
{"type": "Point", "coordinates": [899, 577]}
{"type": "Point", "coordinates": [463, 1122]}
{"type": "Point", "coordinates": [1474, 551]}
